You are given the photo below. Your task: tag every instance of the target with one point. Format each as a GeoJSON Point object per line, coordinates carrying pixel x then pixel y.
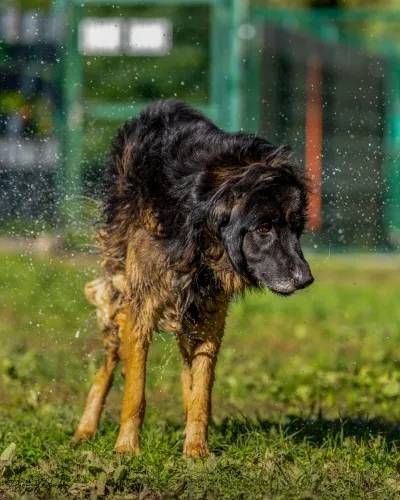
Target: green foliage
{"type": "Point", "coordinates": [306, 399]}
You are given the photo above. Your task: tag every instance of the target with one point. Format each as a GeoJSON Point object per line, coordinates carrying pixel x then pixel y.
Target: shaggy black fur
{"type": "Point", "coordinates": [207, 188]}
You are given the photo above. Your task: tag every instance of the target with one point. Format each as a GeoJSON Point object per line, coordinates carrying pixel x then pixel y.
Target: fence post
{"type": "Point", "coordinates": [218, 68]}
{"type": "Point", "coordinates": [252, 97]}
{"type": "Point", "coordinates": [73, 85]}
{"type": "Point", "coordinates": [238, 15]}
{"type": "Point", "coordinates": [59, 10]}
{"type": "Point", "coordinates": [392, 213]}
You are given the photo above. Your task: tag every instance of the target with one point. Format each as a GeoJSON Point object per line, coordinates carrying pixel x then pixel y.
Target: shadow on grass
{"type": "Point", "coordinates": [313, 431]}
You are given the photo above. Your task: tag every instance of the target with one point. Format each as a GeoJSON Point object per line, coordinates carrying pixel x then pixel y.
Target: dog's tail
{"type": "Point", "coordinates": [106, 294]}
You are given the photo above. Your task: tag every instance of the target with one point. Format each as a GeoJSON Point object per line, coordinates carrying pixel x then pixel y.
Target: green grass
{"type": "Point", "coordinates": [306, 399]}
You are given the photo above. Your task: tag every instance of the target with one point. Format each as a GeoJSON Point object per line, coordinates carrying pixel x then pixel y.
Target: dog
{"type": "Point", "coordinates": [193, 216]}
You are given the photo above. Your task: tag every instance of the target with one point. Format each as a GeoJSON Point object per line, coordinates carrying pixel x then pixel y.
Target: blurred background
{"type": "Point", "coordinates": [323, 76]}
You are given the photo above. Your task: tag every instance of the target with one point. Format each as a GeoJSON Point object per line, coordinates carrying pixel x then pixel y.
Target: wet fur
{"type": "Point", "coordinates": [174, 180]}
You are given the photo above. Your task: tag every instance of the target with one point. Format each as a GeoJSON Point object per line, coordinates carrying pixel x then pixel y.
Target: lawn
{"type": "Point", "coordinates": [306, 402]}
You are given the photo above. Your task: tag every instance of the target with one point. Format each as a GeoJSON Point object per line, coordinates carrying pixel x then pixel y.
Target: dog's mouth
{"type": "Point", "coordinates": [283, 289]}
{"type": "Point", "coordinates": [282, 293]}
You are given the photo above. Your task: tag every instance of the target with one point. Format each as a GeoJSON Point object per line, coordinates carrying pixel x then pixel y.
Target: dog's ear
{"type": "Point", "coordinates": [224, 222]}
{"type": "Point", "coordinates": [218, 209]}
{"type": "Point", "coordinates": [219, 216]}
{"type": "Point", "coordinates": [232, 240]}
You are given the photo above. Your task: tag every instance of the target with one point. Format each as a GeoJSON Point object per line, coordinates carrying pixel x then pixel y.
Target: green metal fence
{"type": "Point", "coordinates": [359, 100]}
{"type": "Point", "coordinates": [220, 99]}
{"type": "Point", "coordinates": [309, 78]}
{"type": "Point", "coordinates": [259, 65]}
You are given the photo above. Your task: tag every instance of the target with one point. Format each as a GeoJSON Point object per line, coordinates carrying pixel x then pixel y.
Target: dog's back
{"type": "Point", "coordinates": [149, 165]}
{"type": "Point", "coordinates": [154, 153]}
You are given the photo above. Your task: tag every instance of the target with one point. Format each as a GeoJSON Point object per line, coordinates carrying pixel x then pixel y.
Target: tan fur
{"type": "Point", "coordinates": [123, 163]}
{"type": "Point", "coordinates": [198, 376]}
{"type": "Point", "coordinates": [217, 259]}
{"type": "Point", "coordinates": [150, 223]}
{"type": "Point", "coordinates": [132, 302]}
{"type": "Point", "coordinates": [135, 341]}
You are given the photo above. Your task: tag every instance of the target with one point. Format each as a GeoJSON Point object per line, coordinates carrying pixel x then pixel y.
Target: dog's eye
{"type": "Point", "coordinates": [265, 228]}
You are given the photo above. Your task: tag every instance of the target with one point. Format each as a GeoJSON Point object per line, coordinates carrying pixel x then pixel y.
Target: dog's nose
{"type": "Point", "coordinates": [305, 281]}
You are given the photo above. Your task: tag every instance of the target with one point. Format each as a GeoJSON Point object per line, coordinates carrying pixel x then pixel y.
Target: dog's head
{"type": "Point", "coordinates": [259, 213]}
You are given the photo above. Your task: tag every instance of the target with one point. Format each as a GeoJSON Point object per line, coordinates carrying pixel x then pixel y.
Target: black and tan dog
{"type": "Point", "coordinates": [193, 215]}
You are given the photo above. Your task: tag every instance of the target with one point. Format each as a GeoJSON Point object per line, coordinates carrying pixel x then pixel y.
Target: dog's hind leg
{"type": "Point", "coordinates": [203, 357]}
{"type": "Point", "coordinates": [106, 296]}
{"type": "Point", "coordinates": [98, 392]}
{"type": "Point", "coordinates": [135, 336]}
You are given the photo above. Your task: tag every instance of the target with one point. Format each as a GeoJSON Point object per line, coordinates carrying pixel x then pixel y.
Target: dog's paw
{"type": "Point", "coordinates": [128, 445]}
{"type": "Point", "coordinates": [195, 444]}
{"type": "Point", "coordinates": [195, 449]}
{"type": "Point", "coordinates": [127, 449]}
{"type": "Point", "coordinates": [81, 435]}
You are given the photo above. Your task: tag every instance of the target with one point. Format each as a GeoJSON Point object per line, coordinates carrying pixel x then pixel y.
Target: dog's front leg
{"type": "Point", "coordinates": [186, 375]}
{"type": "Point", "coordinates": [135, 341]}
{"type": "Point", "coordinates": [204, 354]}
